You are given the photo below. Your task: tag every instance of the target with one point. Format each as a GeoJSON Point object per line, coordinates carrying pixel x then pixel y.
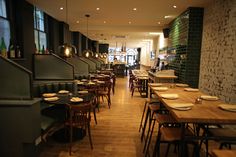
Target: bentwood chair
{"type": "Point", "coordinates": [104, 91]}
{"type": "Point", "coordinates": [79, 117]}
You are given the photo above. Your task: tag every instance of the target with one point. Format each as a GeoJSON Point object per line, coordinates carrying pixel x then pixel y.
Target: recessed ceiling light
{"type": "Point", "coordinates": [77, 21]}
{"type": "Point", "coordinates": [129, 22]}
{"type": "Point", "coordinates": [61, 8]}
{"type": "Point", "coordinates": [134, 9]}
{"type": "Point", "coordinates": [167, 16]}
{"type": "Point", "coordinates": [97, 8]}
{"type": "Point", "coordinates": [174, 6]}
{"type": "Point", "coordinates": [104, 22]}
{"type": "Point", "coordinates": [159, 23]}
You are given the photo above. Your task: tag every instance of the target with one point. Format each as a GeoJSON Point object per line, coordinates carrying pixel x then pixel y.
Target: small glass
{"type": "Point", "coordinates": [198, 100]}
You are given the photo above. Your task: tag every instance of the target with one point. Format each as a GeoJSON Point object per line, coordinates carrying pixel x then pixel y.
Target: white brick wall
{"type": "Point", "coordinates": [218, 56]}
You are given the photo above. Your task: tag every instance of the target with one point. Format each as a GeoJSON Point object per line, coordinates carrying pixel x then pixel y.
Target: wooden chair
{"type": "Point", "coordinates": [79, 117]}
{"type": "Point", "coordinates": [105, 91]}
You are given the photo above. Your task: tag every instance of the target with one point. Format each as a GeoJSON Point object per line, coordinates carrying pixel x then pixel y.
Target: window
{"type": "Point", "coordinates": [4, 23]}
{"type": "Point", "coordinates": [40, 36]}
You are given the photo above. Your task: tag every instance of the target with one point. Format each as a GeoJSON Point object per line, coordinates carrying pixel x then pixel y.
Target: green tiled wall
{"type": "Point", "coordinates": [185, 37]}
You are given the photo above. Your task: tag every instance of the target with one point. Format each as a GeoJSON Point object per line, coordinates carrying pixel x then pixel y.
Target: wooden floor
{"type": "Point", "coordinates": [115, 135]}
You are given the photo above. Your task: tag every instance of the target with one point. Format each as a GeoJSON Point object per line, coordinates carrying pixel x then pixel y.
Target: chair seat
{"type": "Point", "coordinates": [223, 153]}
{"type": "Point", "coordinates": [172, 133]}
{"type": "Point", "coordinates": [152, 100]}
{"type": "Point", "coordinates": [224, 132]}
{"type": "Point", "coordinates": [165, 119]}
{"type": "Point", "coordinates": [154, 107]}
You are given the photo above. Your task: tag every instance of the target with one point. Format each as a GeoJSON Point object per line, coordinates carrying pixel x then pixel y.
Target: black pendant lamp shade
{"type": "Point", "coordinates": [87, 53]}
{"type": "Point", "coordinates": [67, 50]}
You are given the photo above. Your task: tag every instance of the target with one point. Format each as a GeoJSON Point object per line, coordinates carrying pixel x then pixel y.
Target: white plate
{"type": "Point", "coordinates": [83, 92]}
{"type": "Point", "coordinates": [160, 88]}
{"type": "Point", "coordinates": [63, 92]}
{"type": "Point", "coordinates": [191, 89]}
{"type": "Point", "coordinates": [183, 108]}
{"type": "Point", "coordinates": [47, 95]}
{"type": "Point", "coordinates": [208, 97]}
{"type": "Point", "coordinates": [170, 96]}
{"type": "Point", "coordinates": [181, 85]}
{"type": "Point", "coordinates": [51, 99]}
{"type": "Point", "coordinates": [76, 99]}
{"type": "Point", "coordinates": [155, 84]}
{"type": "Point", "coordinates": [227, 107]}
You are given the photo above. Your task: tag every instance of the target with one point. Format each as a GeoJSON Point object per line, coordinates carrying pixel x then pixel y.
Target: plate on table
{"type": "Point", "coordinates": [51, 99]}
{"type": "Point", "coordinates": [160, 88]}
{"type": "Point", "coordinates": [170, 96]}
{"type": "Point", "coordinates": [76, 99]}
{"type": "Point", "coordinates": [155, 84]}
{"type": "Point", "coordinates": [80, 83]}
{"type": "Point", "coordinates": [191, 89]}
{"type": "Point", "coordinates": [84, 80]}
{"type": "Point", "coordinates": [181, 106]}
{"type": "Point", "coordinates": [208, 97]}
{"type": "Point", "coordinates": [63, 92]}
{"type": "Point", "coordinates": [101, 82]}
{"type": "Point", "coordinates": [49, 95]}
{"type": "Point", "coordinates": [83, 92]}
{"type": "Point", "coordinates": [227, 107]}
{"type": "Point", "coordinates": [181, 85]}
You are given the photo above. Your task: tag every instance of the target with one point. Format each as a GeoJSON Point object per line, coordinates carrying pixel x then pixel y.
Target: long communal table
{"type": "Point", "coordinates": [207, 113]}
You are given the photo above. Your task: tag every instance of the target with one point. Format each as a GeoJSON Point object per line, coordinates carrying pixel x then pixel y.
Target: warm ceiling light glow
{"type": "Point", "coordinates": [155, 33]}
{"type": "Point", "coordinates": [129, 22]}
{"type": "Point", "coordinates": [77, 21]}
{"type": "Point", "coordinates": [104, 22]}
{"type": "Point", "coordinates": [167, 16]}
{"type": "Point", "coordinates": [174, 6]}
{"type": "Point", "coordinates": [159, 23]}
{"type": "Point", "coordinates": [97, 8]}
{"type": "Point", "coordinates": [61, 8]}
{"type": "Point", "coordinates": [134, 9]}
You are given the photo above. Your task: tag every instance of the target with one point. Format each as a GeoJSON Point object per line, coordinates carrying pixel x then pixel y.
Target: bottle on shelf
{"type": "Point", "coordinates": [43, 50]}
{"type": "Point", "coordinates": [11, 50]}
{"type": "Point", "coordinates": [3, 48]}
{"type": "Point", "coordinates": [18, 52]}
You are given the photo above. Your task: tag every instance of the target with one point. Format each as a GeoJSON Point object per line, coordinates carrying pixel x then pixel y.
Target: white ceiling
{"type": "Point", "coordinates": [149, 17]}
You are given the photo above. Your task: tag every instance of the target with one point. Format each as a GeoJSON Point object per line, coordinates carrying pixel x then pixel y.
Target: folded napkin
{"type": "Point", "coordinates": [63, 92]}
{"type": "Point", "coordinates": [208, 97]}
{"type": "Point", "coordinates": [228, 107]}
{"type": "Point", "coordinates": [160, 88]}
{"type": "Point", "coordinates": [155, 84]}
{"type": "Point", "coordinates": [76, 99]}
{"type": "Point", "coordinates": [170, 96]}
{"type": "Point", "coordinates": [51, 99]}
{"type": "Point", "coordinates": [181, 85]}
{"type": "Point", "coordinates": [191, 89]}
{"type": "Point", "coordinates": [83, 92]}
{"type": "Point", "coordinates": [181, 106]}
{"type": "Point", "coordinates": [49, 94]}
{"type": "Point", "coordinates": [91, 83]}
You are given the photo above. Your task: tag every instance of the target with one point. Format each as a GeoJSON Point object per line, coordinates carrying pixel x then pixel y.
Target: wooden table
{"type": "Point", "coordinates": [159, 77]}
{"type": "Point", "coordinates": [224, 153]}
{"type": "Point", "coordinates": [206, 113]}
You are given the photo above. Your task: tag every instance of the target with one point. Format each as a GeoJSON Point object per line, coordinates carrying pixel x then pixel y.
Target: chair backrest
{"type": "Point", "coordinates": [80, 113]}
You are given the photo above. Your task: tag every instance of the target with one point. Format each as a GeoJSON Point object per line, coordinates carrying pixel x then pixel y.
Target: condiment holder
{"type": "Point", "coordinates": [198, 100]}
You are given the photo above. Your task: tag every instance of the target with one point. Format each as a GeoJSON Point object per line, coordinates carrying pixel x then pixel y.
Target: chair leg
{"type": "Point", "coordinates": [71, 135]}
{"type": "Point", "coordinates": [150, 139]}
{"type": "Point", "coordinates": [94, 114]}
{"type": "Point", "coordinates": [167, 150]}
{"type": "Point", "coordinates": [149, 127]}
{"type": "Point", "coordinates": [144, 109]}
{"type": "Point", "coordinates": [90, 138]}
{"type": "Point", "coordinates": [145, 123]}
{"type": "Point", "coordinates": [156, 151]}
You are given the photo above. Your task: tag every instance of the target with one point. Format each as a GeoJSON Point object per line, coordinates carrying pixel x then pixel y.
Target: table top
{"type": "Point", "coordinates": [224, 153]}
{"type": "Point", "coordinates": [65, 98]}
{"type": "Point", "coordinates": [140, 73]}
{"type": "Point", "coordinates": [207, 112]}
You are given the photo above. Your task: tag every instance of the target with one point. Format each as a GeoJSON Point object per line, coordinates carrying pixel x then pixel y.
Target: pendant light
{"type": "Point", "coordinates": [87, 53]}
{"type": "Point", "coordinates": [67, 50]}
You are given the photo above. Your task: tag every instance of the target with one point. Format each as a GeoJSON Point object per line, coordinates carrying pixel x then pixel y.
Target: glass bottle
{"type": "Point", "coordinates": [18, 52]}
{"type": "Point", "coordinates": [11, 50]}
{"type": "Point", "coordinates": [3, 48]}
